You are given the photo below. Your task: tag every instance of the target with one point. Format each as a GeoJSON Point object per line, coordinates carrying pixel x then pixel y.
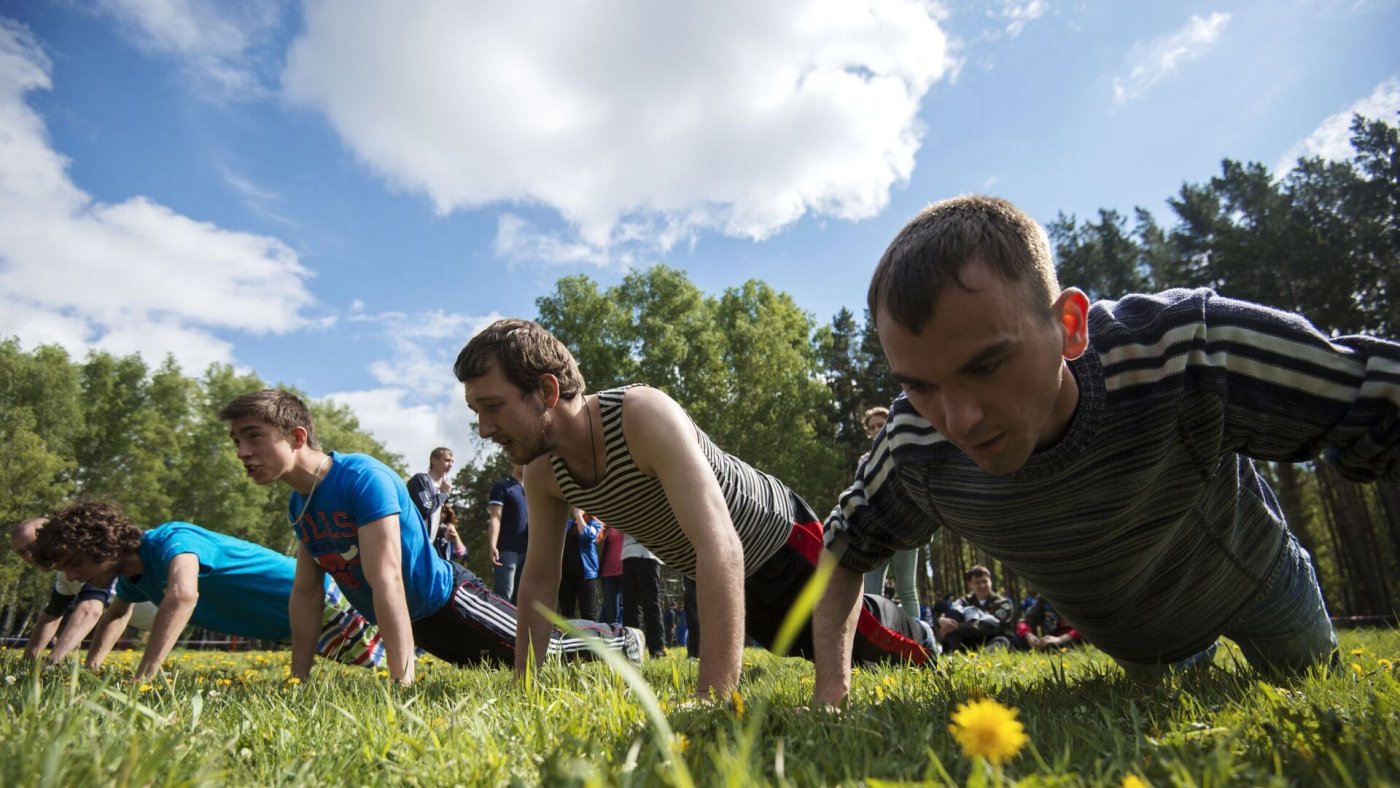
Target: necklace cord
{"type": "Point", "coordinates": [315, 480]}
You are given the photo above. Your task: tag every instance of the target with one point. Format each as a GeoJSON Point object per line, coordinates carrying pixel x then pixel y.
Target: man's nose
{"type": "Point", "coordinates": [961, 413]}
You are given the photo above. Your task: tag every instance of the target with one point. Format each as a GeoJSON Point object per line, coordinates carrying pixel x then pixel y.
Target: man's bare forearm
{"type": "Point", "coordinates": [42, 633]}
{"type": "Point", "coordinates": [81, 620]}
{"type": "Point", "coordinates": [109, 629]}
{"type": "Point", "coordinates": [719, 588]}
{"type": "Point", "coordinates": [532, 628]}
{"type": "Point", "coordinates": [171, 617]}
{"type": "Point", "coordinates": [833, 631]}
{"type": "Point", "coordinates": [305, 610]}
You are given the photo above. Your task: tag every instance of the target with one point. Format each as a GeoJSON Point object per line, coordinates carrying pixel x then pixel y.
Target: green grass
{"type": "Point", "coordinates": [221, 718]}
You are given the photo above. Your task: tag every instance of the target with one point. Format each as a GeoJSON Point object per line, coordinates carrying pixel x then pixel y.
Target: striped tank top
{"type": "Point", "coordinates": [762, 508]}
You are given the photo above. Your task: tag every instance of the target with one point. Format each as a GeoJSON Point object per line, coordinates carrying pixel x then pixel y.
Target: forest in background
{"type": "Point", "coordinates": [762, 377]}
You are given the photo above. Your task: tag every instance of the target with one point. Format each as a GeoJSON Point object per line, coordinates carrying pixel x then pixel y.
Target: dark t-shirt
{"type": "Point", "coordinates": [510, 496]}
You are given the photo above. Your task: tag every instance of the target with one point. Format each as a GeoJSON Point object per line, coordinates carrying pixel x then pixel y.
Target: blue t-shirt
{"type": "Point", "coordinates": [243, 588]}
{"type": "Point", "coordinates": [515, 524]}
{"type": "Point", "coordinates": [584, 547]}
{"type": "Point", "coordinates": [360, 489]}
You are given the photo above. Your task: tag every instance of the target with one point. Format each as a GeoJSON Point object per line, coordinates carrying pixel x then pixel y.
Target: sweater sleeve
{"type": "Point", "coordinates": [1286, 391]}
{"type": "Point", "coordinates": [876, 516]}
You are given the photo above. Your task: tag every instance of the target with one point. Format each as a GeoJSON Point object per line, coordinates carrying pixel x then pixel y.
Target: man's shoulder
{"type": "Point", "coordinates": [365, 466]}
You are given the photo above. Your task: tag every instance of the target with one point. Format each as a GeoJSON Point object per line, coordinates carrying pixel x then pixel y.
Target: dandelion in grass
{"type": "Point", "coordinates": [1133, 781]}
{"type": "Point", "coordinates": [738, 703]}
{"type": "Point", "coordinates": [1385, 664]}
{"type": "Point", "coordinates": [1356, 668]}
{"type": "Point", "coordinates": [986, 729]}
{"type": "Point", "coordinates": [1356, 652]}
{"type": "Point", "coordinates": [145, 688]}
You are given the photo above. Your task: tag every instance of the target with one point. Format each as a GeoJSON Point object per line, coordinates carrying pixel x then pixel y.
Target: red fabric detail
{"type": "Point", "coordinates": [890, 641]}
{"type": "Point", "coordinates": [806, 538]}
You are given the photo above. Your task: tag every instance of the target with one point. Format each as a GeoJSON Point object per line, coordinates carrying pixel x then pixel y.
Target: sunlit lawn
{"type": "Point", "coordinates": [218, 718]}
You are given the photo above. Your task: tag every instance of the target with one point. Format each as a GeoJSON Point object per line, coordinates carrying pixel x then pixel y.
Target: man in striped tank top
{"type": "Point", "coordinates": [633, 458]}
{"type": "Point", "coordinates": [1104, 453]}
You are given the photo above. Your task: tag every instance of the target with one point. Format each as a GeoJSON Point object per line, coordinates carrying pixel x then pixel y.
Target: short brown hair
{"type": "Point", "coordinates": [96, 529]}
{"type": "Point", "coordinates": [878, 410]}
{"type": "Point", "coordinates": [282, 409]}
{"type": "Point", "coordinates": [524, 351]}
{"type": "Point", "coordinates": [977, 571]}
{"type": "Point", "coordinates": [931, 250]}
{"type": "Point", "coordinates": [438, 452]}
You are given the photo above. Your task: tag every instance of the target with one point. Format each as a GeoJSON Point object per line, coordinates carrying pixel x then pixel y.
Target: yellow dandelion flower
{"type": "Point", "coordinates": [1356, 668]}
{"type": "Point", "coordinates": [145, 688]}
{"type": "Point", "coordinates": [879, 694]}
{"type": "Point", "coordinates": [1356, 652]}
{"type": "Point", "coordinates": [738, 703]}
{"type": "Point", "coordinates": [1134, 781]}
{"type": "Point", "coordinates": [1384, 663]}
{"type": "Point", "coordinates": [682, 743]}
{"type": "Point", "coordinates": [987, 729]}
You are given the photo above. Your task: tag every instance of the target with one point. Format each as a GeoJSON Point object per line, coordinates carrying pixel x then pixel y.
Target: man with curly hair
{"type": "Point", "coordinates": [74, 606]}
{"type": "Point", "coordinates": [355, 520]}
{"type": "Point", "coordinates": [195, 576]}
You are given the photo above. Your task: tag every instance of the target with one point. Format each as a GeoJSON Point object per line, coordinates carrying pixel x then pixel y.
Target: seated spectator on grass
{"type": "Point", "coordinates": [194, 576]}
{"type": "Point", "coordinates": [1042, 627]}
{"type": "Point", "coordinates": [982, 619]}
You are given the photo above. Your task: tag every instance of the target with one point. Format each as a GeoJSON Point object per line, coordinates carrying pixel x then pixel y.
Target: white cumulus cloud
{"type": "Point", "coordinates": [1153, 61]}
{"type": "Point", "coordinates": [215, 41]}
{"type": "Point", "coordinates": [1331, 139]}
{"type": "Point", "coordinates": [419, 405]}
{"type": "Point", "coordinates": [127, 277]}
{"type": "Point", "coordinates": [639, 123]}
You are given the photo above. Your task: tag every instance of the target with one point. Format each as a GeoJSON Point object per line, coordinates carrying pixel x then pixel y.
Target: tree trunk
{"type": "Point", "coordinates": [1352, 520]}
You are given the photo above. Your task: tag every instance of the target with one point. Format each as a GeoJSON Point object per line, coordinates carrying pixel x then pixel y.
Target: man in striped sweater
{"type": "Point", "coordinates": [632, 457]}
{"type": "Point", "coordinates": [1104, 453]}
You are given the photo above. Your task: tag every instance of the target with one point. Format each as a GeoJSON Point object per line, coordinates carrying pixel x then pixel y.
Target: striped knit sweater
{"type": "Point", "coordinates": [761, 507]}
{"type": "Point", "coordinates": [1147, 524]}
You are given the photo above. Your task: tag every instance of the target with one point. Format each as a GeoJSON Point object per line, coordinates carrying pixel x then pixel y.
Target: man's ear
{"type": "Point", "coordinates": [298, 438]}
{"type": "Point", "coordinates": [549, 390]}
{"type": "Point", "coordinates": [1071, 312]}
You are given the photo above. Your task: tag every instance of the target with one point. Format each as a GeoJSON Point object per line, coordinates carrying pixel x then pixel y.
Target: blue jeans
{"type": "Point", "coordinates": [507, 580]}
{"type": "Point", "coordinates": [1286, 630]}
{"type": "Point", "coordinates": [905, 564]}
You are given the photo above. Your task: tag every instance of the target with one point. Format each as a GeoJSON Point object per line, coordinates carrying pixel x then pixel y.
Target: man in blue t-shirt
{"type": "Point", "coordinates": [194, 576]}
{"type": "Point", "coordinates": [508, 533]}
{"type": "Point", "coordinates": [354, 519]}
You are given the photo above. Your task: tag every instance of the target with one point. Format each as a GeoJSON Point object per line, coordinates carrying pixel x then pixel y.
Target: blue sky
{"type": "Point", "coordinates": [336, 195]}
